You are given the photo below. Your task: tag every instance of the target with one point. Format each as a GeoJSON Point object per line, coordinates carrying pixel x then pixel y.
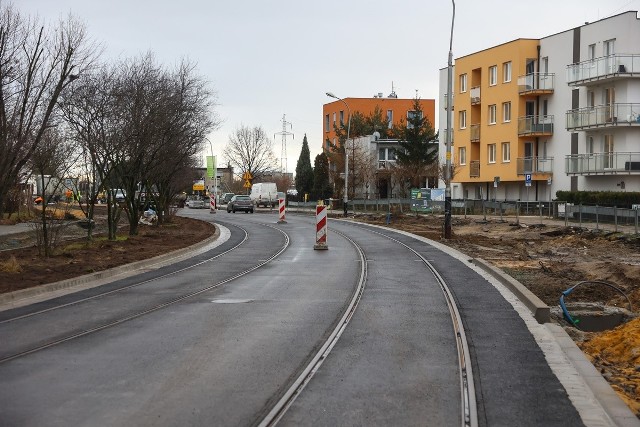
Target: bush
{"type": "Point", "coordinates": [621, 199]}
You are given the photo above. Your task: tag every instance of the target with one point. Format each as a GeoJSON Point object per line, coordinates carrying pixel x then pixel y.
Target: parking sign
{"type": "Point", "coordinates": [527, 179]}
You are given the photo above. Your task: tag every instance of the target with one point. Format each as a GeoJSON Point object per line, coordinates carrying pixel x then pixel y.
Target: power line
{"type": "Point", "coordinates": [283, 149]}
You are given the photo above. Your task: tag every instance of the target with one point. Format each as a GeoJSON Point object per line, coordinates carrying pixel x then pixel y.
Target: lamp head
{"type": "Point", "coordinates": [331, 95]}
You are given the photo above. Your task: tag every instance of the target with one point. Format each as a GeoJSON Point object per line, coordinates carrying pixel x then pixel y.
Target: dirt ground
{"type": "Point", "coordinates": [548, 259]}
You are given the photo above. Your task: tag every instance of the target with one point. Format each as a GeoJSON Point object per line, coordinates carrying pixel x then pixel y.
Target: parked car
{"type": "Point", "coordinates": [240, 202]}
{"type": "Point", "coordinates": [195, 203]}
{"type": "Point", "coordinates": [225, 198]}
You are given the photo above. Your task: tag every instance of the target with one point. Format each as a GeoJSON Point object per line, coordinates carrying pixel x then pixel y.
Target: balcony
{"type": "Point", "coordinates": [474, 171]}
{"type": "Point", "coordinates": [605, 68]}
{"type": "Point", "coordinates": [614, 163]}
{"type": "Point", "coordinates": [535, 126]}
{"type": "Point", "coordinates": [536, 84]}
{"type": "Point", "coordinates": [475, 95]}
{"type": "Point", "coordinates": [534, 165]}
{"type": "Point", "coordinates": [475, 133]}
{"type": "Point", "coordinates": [604, 116]}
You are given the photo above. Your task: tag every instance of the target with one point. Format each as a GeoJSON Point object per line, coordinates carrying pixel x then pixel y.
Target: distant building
{"type": "Point", "coordinates": [394, 108]}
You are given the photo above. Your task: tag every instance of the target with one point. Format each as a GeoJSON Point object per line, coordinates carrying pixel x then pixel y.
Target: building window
{"type": "Point", "coordinates": [463, 83]}
{"type": "Point", "coordinates": [506, 152]}
{"type": "Point", "coordinates": [491, 153]}
{"type": "Point", "coordinates": [506, 111]}
{"type": "Point", "coordinates": [591, 52]}
{"type": "Point", "coordinates": [608, 151]}
{"type": "Point", "coordinates": [462, 119]}
{"type": "Point", "coordinates": [462, 155]}
{"type": "Point", "coordinates": [545, 108]}
{"type": "Point", "coordinates": [341, 118]}
{"type": "Point", "coordinates": [381, 154]}
{"type": "Point", "coordinates": [591, 99]}
{"type": "Point", "coordinates": [391, 154]}
{"type": "Point", "coordinates": [493, 75]}
{"type": "Point", "coordinates": [334, 119]}
{"type": "Point", "coordinates": [608, 47]}
{"type": "Point", "coordinates": [492, 114]}
{"type": "Point", "coordinates": [326, 123]}
{"type": "Point", "coordinates": [590, 145]}
{"type": "Point", "coordinates": [390, 118]}
{"type": "Point", "coordinates": [506, 72]}
{"type": "Point", "coordinates": [411, 115]}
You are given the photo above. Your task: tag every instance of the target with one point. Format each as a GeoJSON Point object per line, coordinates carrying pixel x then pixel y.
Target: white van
{"type": "Point", "coordinates": [264, 194]}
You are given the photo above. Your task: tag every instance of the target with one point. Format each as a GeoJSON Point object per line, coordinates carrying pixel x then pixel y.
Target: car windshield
{"type": "Point", "coordinates": [240, 198]}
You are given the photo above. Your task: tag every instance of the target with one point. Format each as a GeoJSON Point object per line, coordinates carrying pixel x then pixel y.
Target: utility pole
{"type": "Point", "coordinates": [283, 150]}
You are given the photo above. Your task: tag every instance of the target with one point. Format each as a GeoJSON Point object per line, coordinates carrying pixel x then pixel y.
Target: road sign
{"type": "Point", "coordinates": [247, 184]}
{"type": "Point", "coordinates": [527, 179]}
{"type": "Point", "coordinates": [247, 176]}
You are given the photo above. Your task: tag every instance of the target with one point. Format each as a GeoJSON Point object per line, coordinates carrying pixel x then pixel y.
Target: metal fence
{"type": "Point", "coordinates": [583, 216]}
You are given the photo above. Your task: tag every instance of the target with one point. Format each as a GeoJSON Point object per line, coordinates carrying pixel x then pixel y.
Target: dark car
{"type": "Point", "coordinates": [226, 197]}
{"type": "Point", "coordinates": [240, 203]}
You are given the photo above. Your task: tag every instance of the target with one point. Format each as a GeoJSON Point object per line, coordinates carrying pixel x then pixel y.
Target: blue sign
{"type": "Point", "coordinates": [527, 179]}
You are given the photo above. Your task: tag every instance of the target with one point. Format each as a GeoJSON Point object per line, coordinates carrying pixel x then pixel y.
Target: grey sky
{"type": "Point", "coordinates": [269, 58]}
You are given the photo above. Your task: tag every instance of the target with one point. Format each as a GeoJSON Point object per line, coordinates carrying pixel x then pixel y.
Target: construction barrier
{"type": "Point", "coordinates": [212, 203]}
{"type": "Point", "coordinates": [281, 211]}
{"type": "Point", "coordinates": [321, 228]}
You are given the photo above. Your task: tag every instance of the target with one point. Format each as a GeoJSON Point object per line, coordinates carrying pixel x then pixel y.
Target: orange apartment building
{"type": "Point", "coordinates": [394, 108]}
{"type": "Point", "coordinates": [498, 124]}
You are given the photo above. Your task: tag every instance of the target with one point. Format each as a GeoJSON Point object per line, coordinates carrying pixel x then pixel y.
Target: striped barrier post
{"type": "Point", "coordinates": [212, 203]}
{"type": "Point", "coordinates": [281, 211]}
{"type": "Point", "coordinates": [321, 227]}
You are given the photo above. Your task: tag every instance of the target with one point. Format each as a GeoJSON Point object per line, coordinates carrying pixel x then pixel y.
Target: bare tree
{"type": "Point", "coordinates": [36, 66]}
{"type": "Point", "coordinates": [52, 160]}
{"type": "Point", "coordinates": [251, 151]}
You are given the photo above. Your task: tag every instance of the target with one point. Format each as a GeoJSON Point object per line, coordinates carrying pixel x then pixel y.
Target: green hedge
{"type": "Point", "coordinates": [621, 199]}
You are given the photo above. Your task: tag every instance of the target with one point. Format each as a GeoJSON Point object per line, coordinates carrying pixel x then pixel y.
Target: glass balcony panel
{"type": "Point", "coordinates": [535, 125]}
{"type": "Point", "coordinates": [474, 133]}
{"type": "Point", "coordinates": [474, 168]}
{"type": "Point", "coordinates": [475, 95]}
{"type": "Point", "coordinates": [536, 83]}
{"type": "Point", "coordinates": [604, 116]}
{"type": "Point", "coordinates": [603, 163]}
{"type": "Point", "coordinates": [604, 67]}
{"type": "Point", "coordinates": [534, 165]}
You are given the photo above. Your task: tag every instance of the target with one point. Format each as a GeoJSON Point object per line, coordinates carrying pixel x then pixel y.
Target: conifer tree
{"type": "Point", "coordinates": [321, 185]}
{"type": "Point", "coordinates": [304, 171]}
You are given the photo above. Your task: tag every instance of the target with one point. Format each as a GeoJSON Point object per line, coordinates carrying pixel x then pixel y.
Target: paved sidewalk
{"type": "Point", "coordinates": [21, 227]}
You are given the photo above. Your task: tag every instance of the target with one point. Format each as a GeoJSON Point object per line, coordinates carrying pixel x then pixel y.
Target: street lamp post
{"type": "Point", "coordinates": [448, 172]}
{"type": "Point", "coordinates": [345, 198]}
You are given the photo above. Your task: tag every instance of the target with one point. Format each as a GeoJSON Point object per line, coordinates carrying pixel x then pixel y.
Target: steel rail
{"type": "Point", "coordinates": [155, 307]}
{"type": "Point", "coordinates": [124, 288]}
{"type": "Point", "coordinates": [290, 395]}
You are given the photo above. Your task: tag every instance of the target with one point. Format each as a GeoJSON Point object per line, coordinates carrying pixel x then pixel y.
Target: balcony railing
{"type": "Point", "coordinates": [611, 66]}
{"type": "Point", "coordinates": [536, 83]}
{"type": "Point", "coordinates": [475, 95]}
{"type": "Point", "coordinates": [535, 125]}
{"type": "Point", "coordinates": [474, 171]}
{"type": "Point", "coordinates": [604, 116]}
{"type": "Point", "coordinates": [534, 165]}
{"type": "Point", "coordinates": [614, 163]}
{"type": "Point", "coordinates": [475, 133]}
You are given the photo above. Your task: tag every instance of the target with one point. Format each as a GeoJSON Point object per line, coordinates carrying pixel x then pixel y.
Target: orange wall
{"type": "Point", "coordinates": [476, 66]}
{"type": "Point", "coordinates": [366, 106]}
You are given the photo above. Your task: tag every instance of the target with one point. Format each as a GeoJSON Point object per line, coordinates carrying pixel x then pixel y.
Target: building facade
{"type": "Point", "coordinates": [531, 117]}
{"type": "Point", "coordinates": [393, 108]}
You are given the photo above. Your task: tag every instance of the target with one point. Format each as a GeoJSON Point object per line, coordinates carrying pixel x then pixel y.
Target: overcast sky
{"type": "Point", "coordinates": [266, 58]}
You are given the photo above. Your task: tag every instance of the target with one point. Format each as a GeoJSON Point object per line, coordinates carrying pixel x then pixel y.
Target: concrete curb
{"type": "Point", "coordinates": [541, 311]}
{"type": "Point", "coordinates": [112, 273]}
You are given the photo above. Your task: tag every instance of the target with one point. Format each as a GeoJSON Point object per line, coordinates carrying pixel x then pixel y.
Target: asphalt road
{"type": "Point", "coordinates": [218, 339]}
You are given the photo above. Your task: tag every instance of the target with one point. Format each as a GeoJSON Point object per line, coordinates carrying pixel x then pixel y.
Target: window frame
{"type": "Point", "coordinates": [462, 119]}
{"type": "Point", "coordinates": [506, 152]}
{"type": "Point", "coordinates": [491, 153]}
{"type": "Point", "coordinates": [506, 112]}
{"type": "Point", "coordinates": [492, 113]}
{"type": "Point", "coordinates": [462, 155]}
{"type": "Point", "coordinates": [463, 83]}
{"type": "Point", "coordinates": [506, 72]}
{"type": "Point", "coordinates": [493, 75]}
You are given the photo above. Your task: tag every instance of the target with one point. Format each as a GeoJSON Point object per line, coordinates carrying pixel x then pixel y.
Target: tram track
{"type": "Point", "coordinates": [146, 310]}
{"type": "Point", "coordinates": [468, 414]}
